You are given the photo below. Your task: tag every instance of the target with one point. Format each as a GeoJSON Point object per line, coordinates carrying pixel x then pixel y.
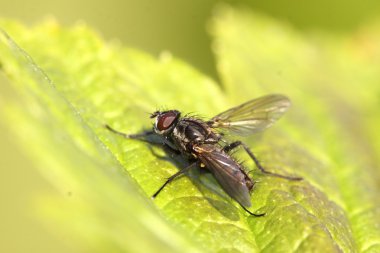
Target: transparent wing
{"type": "Point", "coordinates": [228, 174]}
{"type": "Point", "coordinates": [252, 116]}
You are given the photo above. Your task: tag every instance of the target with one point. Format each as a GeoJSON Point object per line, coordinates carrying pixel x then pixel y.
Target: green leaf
{"type": "Point", "coordinates": [98, 202]}
{"type": "Point", "coordinates": [333, 82]}
{"type": "Point", "coordinates": [105, 181]}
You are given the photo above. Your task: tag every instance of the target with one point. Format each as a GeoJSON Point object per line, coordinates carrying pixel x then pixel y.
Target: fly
{"type": "Point", "coordinates": [203, 144]}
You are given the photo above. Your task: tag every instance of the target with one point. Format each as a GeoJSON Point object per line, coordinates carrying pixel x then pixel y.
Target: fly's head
{"type": "Point", "coordinates": [165, 121]}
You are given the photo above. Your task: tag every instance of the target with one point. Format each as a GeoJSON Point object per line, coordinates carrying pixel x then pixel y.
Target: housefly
{"type": "Point", "coordinates": [203, 144]}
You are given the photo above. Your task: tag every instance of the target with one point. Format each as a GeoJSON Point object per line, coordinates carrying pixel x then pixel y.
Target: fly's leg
{"type": "Point", "coordinates": [143, 137]}
{"type": "Point", "coordinates": [168, 149]}
{"type": "Point", "coordinates": [235, 144]}
{"type": "Point", "coordinates": [232, 146]}
{"type": "Point", "coordinates": [253, 214]}
{"type": "Point", "coordinates": [140, 136]}
{"type": "Point", "coordinates": [171, 178]}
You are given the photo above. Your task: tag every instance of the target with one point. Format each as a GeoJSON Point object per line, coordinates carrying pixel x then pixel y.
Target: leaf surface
{"type": "Point", "coordinates": [70, 83]}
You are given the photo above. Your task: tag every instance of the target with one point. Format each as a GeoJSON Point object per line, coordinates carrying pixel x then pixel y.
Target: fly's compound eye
{"type": "Point", "coordinates": [166, 120]}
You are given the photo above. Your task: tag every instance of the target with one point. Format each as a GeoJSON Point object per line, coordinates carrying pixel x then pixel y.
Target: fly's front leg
{"type": "Point", "coordinates": [140, 136]}
{"type": "Point", "coordinates": [235, 144]}
{"type": "Point", "coordinates": [143, 137]}
{"type": "Point", "coordinates": [146, 136]}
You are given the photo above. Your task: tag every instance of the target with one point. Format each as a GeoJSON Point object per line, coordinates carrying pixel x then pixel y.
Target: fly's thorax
{"type": "Point", "coordinates": [197, 130]}
{"type": "Point", "coordinates": [191, 131]}
{"type": "Point", "coordinates": [179, 139]}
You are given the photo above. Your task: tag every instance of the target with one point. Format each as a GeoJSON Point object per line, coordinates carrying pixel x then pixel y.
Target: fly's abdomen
{"type": "Point", "coordinates": [226, 171]}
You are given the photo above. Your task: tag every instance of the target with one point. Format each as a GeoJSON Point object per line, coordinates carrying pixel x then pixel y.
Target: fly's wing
{"type": "Point", "coordinates": [252, 116]}
{"type": "Point", "coordinates": [228, 174]}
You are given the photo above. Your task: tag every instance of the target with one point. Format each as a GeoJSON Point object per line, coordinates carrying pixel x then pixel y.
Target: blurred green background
{"type": "Point", "coordinates": [154, 26]}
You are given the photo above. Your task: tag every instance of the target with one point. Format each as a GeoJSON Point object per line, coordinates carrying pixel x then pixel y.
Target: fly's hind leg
{"type": "Point", "coordinates": [235, 144]}
{"type": "Point", "coordinates": [253, 214]}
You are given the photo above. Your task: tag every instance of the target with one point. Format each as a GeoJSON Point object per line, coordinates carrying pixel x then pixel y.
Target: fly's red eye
{"type": "Point", "coordinates": [165, 120]}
